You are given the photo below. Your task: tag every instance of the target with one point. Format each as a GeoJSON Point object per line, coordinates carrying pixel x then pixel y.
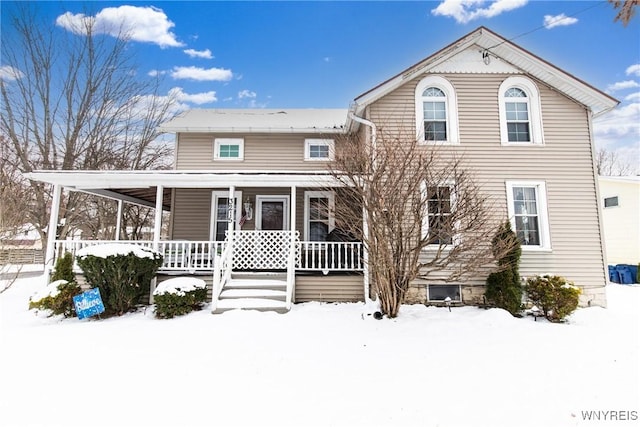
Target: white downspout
{"type": "Point", "coordinates": [365, 221]}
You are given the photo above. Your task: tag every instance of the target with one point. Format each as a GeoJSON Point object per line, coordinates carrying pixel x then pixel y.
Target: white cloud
{"type": "Point", "coordinates": [246, 94]}
{"type": "Point", "coordinates": [10, 73]}
{"type": "Point", "coordinates": [627, 84]}
{"type": "Point", "coordinates": [633, 97]}
{"type": "Point", "coordinates": [206, 54]}
{"type": "Point", "coordinates": [633, 69]}
{"type": "Point", "coordinates": [558, 21]}
{"type": "Point", "coordinates": [141, 24]}
{"type": "Point", "coordinates": [194, 98]}
{"type": "Point", "coordinates": [620, 123]}
{"type": "Point", "coordinates": [202, 74]}
{"type": "Point", "coordinates": [464, 11]}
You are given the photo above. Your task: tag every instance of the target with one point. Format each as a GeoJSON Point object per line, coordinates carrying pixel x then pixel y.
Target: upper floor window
{"type": "Point", "coordinates": [318, 149]}
{"type": "Point", "coordinates": [228, 149]}
{"type": "Point", "coordinates": [519, 107]}
{"type": "Point", "coordinates": [436, 111]}
{"type": "Point", "coordinates": [527, 207]}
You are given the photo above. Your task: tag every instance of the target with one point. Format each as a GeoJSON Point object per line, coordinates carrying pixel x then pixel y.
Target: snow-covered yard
{"type": "Point", "coordinates": [320, 364]}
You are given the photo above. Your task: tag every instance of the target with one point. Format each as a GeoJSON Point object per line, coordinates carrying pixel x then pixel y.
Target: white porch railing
{"type": "Point", "coordinates": [269, 251]}
{"type": "Point", "coordinates": [331, 256]}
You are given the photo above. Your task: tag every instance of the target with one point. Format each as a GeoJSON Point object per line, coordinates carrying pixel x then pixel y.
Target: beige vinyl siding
{"type": "Point", "coordinates": [261, 152]}
{"type": "Point", "coordinates": [191, 214]}
{"type": "Point", "coordinates": [564, 163]}
{"type": "Point", "coordinates": [330, 288]}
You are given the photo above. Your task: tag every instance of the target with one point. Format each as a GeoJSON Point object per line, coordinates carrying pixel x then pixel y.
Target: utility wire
{"type": "Point", "coordinates": [544, 26]}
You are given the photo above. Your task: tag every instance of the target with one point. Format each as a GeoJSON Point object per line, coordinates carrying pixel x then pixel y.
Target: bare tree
{"type": "Point", "coordinates": [626, 10]}
{"type": "Point", "coordinates": [609, 163]}
{"type": "Point", "coordinates": [426, 214]}
{"type": "Point", "coordinates": [75, 101]}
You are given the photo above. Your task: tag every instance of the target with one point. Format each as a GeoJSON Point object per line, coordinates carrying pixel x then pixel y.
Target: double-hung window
{"type": "Point", "coordinates": [436, 111]}
{"type": "Point", "coordinates": [434, 107]}
{"type": "Point", "coordinates": [318, 149]}
{"type": "Point", "coordinates": [517, 111]}
{"type": "Point", "coordinates": [520, 112]}
{"type": "Point", "coordinates": [439, 230]}
{"type": "Point", "coordinates": [319, 217]}
{"type": "Point", "coordinates": [527, 206]}
{"type": "Point", "coordinates": [228, 149]}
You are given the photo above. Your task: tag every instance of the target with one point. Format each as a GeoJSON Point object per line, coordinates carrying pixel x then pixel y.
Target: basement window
{"type": "Point", "coordinates": [441, 292]}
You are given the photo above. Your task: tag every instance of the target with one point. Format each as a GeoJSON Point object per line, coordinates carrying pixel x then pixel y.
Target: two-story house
{"type": "Point", "coordinates": [251, 197]}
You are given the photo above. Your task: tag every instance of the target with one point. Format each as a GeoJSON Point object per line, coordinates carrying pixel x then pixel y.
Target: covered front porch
{"type": "Point", "coordinates": [263, 223]}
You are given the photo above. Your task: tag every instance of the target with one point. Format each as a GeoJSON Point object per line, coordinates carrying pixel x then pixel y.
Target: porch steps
{"type": "Point", "coordinates": [254, 291]}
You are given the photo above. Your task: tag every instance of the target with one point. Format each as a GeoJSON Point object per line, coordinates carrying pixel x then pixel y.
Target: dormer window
{"type": "Point", "coordinates": [436, 111]}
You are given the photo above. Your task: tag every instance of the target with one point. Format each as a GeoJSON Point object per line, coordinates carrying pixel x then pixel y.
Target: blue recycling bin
{"type": "Point", "coordinates": [634, 272]}
{"type": "Point", "coordinates": [614, 277]}
{"type": "Point", "coordinates": [626, 277]}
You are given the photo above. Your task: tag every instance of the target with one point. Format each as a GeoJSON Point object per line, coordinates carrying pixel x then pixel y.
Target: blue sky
{"type": "Point", "coordinates": [323, 54]}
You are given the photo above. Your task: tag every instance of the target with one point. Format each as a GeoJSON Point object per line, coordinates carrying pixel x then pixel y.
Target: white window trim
{"type": "Point", "coordinates": [228, 141]}
{"type": "Point", "coordinates": [536, 133]}
{"type": "Point", "coordinates": [308, 142]}
{"type": "Point", "coordinates": [215, 195]}
{"type": "Point", "coordinates": [307, 209]}
{"type": "Point", "coordinates": [286, 199]}
{"type": "Point", "coordinates": [453, 136]}
{"type": "Point", "coordinates": [543, 215]}
{"type": "Point", "coordinates": [455, 239]}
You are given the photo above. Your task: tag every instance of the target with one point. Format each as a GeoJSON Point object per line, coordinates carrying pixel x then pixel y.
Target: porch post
{"type": "Point", "coordinates": [157, 224]}
{"type": "Point", "coordinates": [52, 231]}
{"type": "Point", "coordinates": [157, 229]}
{"type": "Point", "coordinates": [119, 220]}
{"type": "Point", "coordinates": [232, 210]}
{"type": "Point", "coordinates": [292, 249]}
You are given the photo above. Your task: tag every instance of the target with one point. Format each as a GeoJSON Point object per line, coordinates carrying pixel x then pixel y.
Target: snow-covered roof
{"type": "Point", "coordinates": [627, 179]}
{"type": "Point", "coordinates": [258, 121]}
{"type": "Point", "coordinates": [495, 47]}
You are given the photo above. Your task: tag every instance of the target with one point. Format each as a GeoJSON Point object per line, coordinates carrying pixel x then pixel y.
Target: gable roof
{"type": "Point", "coordinates": [258, 121]}
{"type": "Point", "coordinates": [497, 47]}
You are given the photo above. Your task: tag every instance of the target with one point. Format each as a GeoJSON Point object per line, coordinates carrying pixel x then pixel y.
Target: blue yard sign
{"type": "Point", "coordinates": [88, 303]}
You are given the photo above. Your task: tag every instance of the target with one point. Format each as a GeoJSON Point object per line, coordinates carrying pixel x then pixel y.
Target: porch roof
{"type": "Point", "coordinates": [138, 187]}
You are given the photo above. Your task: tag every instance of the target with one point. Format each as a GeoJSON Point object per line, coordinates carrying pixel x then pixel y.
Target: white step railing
{"type": "Point", "coordinates": [221, 273]}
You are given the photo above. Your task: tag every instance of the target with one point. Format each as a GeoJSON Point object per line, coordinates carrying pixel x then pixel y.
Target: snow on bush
{"type": "Point", "coordinates": [57, 297]}
{"type": "Point", "coordinates": [114, 249]}
{"type": "Point", "coordinates": [555, 295]}
{"type": "Point", "coordinates": [178, 296]}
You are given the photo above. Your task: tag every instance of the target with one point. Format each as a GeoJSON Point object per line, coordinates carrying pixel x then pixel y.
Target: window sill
{"type": "Point", "coordinates": [223, 159]}
{"type": "Point", "coordinates": [526, 248]}
{"type": "Point", "coordinates": [522, 144]}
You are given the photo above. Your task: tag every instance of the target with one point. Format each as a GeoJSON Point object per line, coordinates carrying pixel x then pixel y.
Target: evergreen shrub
{"type": "Point", "coordinates": [64, 269]}
{"type": "Point", "coordinates": [554, 295]}
{"type": "Point", "coordinates": [56, 297]}
{"type": "Point", "coordinates": [503, 286]}
{"type": "Point", "coordinates": [175, 297]}
{"type": "Point", "coordinates": [122, 277]}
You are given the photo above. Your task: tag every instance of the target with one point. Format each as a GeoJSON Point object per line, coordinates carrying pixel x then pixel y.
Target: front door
{"type": "Point", "coordinates": [272, 212]}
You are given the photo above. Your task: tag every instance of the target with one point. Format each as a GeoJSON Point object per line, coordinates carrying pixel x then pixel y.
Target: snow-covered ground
{"type": "Point", "coordinates": [320, 364]}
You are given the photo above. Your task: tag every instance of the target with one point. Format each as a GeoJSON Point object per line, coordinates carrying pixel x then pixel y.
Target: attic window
{"type": "Point", "coordinates": [436, 108]}
{"type": "Point", "coordinates": [520, 112]}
